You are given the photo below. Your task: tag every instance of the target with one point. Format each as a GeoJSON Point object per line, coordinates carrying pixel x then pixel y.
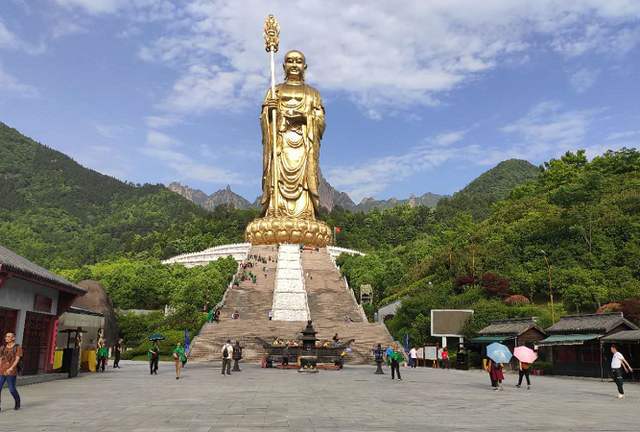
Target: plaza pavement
{"type": "Point", "coordinates": [354, 399]}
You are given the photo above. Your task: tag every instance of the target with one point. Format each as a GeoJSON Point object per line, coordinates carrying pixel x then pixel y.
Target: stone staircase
{"type": "Point", "coordinates": [329, 302]}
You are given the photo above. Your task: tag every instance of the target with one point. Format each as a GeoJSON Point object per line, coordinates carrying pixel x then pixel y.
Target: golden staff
{"type": "Point", "coordinates": [271, 41]}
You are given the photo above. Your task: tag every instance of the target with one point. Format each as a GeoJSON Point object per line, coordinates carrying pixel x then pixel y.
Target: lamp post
{"type": "Point", "coordinates": [546, 260]}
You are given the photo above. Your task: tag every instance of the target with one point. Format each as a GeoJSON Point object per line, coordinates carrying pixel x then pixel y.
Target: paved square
{"type": "Point", "coordinates": [350, 400]}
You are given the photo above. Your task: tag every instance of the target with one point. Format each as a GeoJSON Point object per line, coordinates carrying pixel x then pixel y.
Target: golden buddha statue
{"type": "Point", "coordinates": [290, 200]}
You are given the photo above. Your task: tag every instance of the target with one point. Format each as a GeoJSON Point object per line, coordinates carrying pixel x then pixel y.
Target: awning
{"type": "Point", "coordinates": [568, 339]}
{"type": "Point", "coordinates": [487, 339]}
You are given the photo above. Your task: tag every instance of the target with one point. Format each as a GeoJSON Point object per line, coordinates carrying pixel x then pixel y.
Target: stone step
{"type": "Point", "coordinates": [329, 302]}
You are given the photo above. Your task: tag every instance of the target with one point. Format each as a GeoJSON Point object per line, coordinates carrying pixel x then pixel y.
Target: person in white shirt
{"type": "Point", "coordinates": [618, 362]}
{"type": "Point", "coordinates": [413, 357]}
{"type": "Point", "coordinates": [227, 354]}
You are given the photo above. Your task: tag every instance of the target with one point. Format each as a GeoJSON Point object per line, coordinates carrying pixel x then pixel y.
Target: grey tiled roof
{"type": "Point", "coordinates": [590, 323]}
{"type": "Point", "coordinates": [623, 336]}
{"type": "Point", "coordinates": [514, 327]}
{"type": "Point", "coordinates": [12, 262]}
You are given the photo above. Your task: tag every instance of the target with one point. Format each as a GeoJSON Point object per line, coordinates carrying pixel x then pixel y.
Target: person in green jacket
{"type": "Point", "coordinates": [396, 358]}
{"type": "Point", "coordinates": [179, 357]}
{"type": "Point", "coordinates": [102, 354]}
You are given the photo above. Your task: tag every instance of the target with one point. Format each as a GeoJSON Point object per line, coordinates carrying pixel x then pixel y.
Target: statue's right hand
{"type": "Point", "coordinates": [271, 103]}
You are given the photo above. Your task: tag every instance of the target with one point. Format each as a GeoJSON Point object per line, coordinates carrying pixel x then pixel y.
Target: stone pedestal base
{"type": "Point", "coordinates": [276, 230]}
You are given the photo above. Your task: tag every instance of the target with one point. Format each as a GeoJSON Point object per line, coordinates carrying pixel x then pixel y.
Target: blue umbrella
{"type": "Point", "coordinates": [499, 353]}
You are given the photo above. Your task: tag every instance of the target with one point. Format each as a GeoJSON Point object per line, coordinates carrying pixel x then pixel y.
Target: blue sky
{"type": "Point", "coordinates": [421, 97]}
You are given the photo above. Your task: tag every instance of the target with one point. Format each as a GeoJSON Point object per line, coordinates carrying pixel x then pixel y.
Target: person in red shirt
{"type": "Point", "coordinates": [445, 358]}
{"type": "Point", "coordinates": [10, 355]}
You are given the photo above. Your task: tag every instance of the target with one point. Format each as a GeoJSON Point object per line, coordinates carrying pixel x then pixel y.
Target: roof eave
{"type": "Point", "coordinates": [31, 277]}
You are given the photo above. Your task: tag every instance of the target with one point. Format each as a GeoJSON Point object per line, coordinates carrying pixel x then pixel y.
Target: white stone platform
{"type": "Point", "coordinates": [289, 295]}
{"type": "Point", "coordinates": [238, 251]}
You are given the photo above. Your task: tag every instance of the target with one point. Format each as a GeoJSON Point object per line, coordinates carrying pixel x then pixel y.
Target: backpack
{"type": "Point", "coordinates": [225, 352]}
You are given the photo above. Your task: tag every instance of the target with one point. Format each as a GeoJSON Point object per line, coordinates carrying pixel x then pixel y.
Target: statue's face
{"type": "Point", "coordinates": [294, 65]}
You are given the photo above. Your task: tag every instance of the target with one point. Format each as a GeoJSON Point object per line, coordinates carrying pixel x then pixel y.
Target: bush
{"type": "Point", "coordinates": [545, 367]}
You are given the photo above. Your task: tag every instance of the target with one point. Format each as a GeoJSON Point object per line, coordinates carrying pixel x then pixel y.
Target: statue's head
{"type": "Point", "coordinates": [294, 66]}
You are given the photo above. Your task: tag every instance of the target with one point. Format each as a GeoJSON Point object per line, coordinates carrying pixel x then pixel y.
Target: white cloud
{"type": "Point", "coordinates": [623, 135]}
{"type": "Point", "coordinates": [162, 121]}
{"type": "Point", "coordinates": [448, 138]}
{"type": "Point", "coordinates": [67, 27]}
{"type": "Point", "coordinates": [8, 40]}
{"type": "Point", "coordinates": [547, 130]}
{"type": "Point", "coordinates": [375, 175]}
{"type": "Point", "coordinates": [111, 131]}
{"type": "Point", "coordinates": [583, 79]}
{"type": "Point", "coordinates": [94, 6]}
{"type": "Point", "coordinates": [10, 85]}
{"type": "Point", "coordinates": [381, 56]}
{"type": "Point", "coordinates": [166, 149]}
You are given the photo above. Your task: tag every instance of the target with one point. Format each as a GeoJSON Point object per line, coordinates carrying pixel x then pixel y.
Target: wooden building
{"type": "Point", "coordinates": [511, 332]}
{"type": "Point", "coordinates": [31, 300]}
{"type": "Point", "coordinates": [574, 343]}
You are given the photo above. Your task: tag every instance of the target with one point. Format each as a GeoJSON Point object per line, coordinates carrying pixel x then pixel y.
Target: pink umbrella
{"type": "Point", "coordinates": [524, 354]}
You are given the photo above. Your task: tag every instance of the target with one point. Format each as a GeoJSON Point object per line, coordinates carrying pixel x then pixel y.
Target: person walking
{"type": "Point", "coordinates": [523, 371]}
{"type": "Point", "coordinates": [396, 358]}
{"type": "Point", "coordinates": [102, 354]}
{"type": "Point", "coordinates": [154, 357]}
{"type": "Point", "coordinates": [179, 357]}
{"type": "Point", "coordinates": [445, 358]}
{"type": "Point", "coordinates": [413, 357]}
{"type": "Point", "coordinates": [237, 356]}
{"type": "Point", "coordinates": [117, 353]}
{"type": "Point", "coordinates": [618, 364]}
{"type": "Point", "coordinates": [227, 355]}
{"type": "Point", "coordinates": [10, 356]}
{"type": "Point", "coordinates": [378, 354]}
{"type": "Point", "coordinates": [497, 376]}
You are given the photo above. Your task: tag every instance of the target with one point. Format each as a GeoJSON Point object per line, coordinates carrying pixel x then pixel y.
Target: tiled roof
{"type": "Point", "coordinates": [623, 336]}
{"type": "Point", "coordinates": [14, 263]}
{"type": "Point", "coordinates": [514, 327]}
{"type": "Point", "coordinates": [590, 323]}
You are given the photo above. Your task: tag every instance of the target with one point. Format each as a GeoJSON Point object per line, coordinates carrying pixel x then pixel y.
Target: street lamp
{"type": "Point", "coordinates": [546, 260]}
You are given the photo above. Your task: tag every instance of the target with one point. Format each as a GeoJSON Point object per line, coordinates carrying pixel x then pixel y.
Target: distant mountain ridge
{"type": "Point", "coordinates": [220, 197]}
{"type": "Point", "coordinates": [330, 198]}
{"type": "Point", "coordinates": [428, 200]}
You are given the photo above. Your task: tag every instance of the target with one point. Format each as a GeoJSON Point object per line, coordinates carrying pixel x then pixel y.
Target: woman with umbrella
{"type": "Point", "coordinates": [498, 354]}
{"type": "Point", "coordinates": [525, 357]}
{"type": "Point", "coordinates": [180, 358]}
{"type": "Point", "coordinates": [496, 374]}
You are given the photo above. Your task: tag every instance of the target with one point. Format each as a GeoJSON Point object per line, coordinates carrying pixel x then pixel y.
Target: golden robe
{"type": "Point", "coordinates": [300, 124]}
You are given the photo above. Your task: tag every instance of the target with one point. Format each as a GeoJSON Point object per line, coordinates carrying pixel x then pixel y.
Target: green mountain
{"type": "Point", "coordinates": [494, 185]}
{"type": "Point", "coordinates": [61, 214]}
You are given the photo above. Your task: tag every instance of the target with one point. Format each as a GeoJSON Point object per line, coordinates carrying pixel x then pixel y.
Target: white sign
{"type": "Point", "coordinates": [430, 352]}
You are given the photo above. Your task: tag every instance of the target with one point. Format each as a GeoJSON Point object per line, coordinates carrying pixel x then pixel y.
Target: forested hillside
{"type": "Point", "coordinates": [494, 185]}
{"type": "Point", "coordinates": [584, 217]}
{"type": "Point", "coordinates": [490, 247]}
{"type": "Point", "coordinates": [62, 215]}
